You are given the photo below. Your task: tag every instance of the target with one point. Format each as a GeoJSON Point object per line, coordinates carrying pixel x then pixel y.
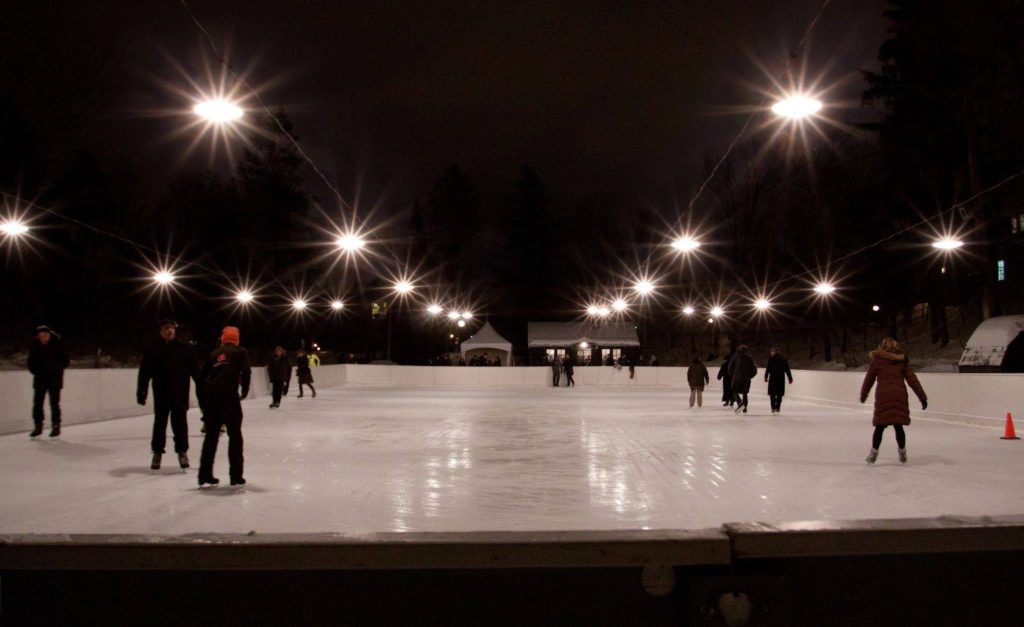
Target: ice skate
{"type": "Point", "coordinates": [183, 460]}
{"type": "Point", "coordinates": [744, 409]}
{"type": "Point", "coordinates": [36, 432]}
{"type": "Point", "coordinates": [155, 464]}
{"type": "Point", "coordinates": [903, 455]}
{"type": "Point", "coordinates": [872, 456]}
{"type": "Point", "coordinates": [208, 480]}
{"type": "Point", "coordinates": [737, 410]}
{"type": "Point", "coordinates": [55, 431]}
{"type": "Point", "coordinates": [238, 483]}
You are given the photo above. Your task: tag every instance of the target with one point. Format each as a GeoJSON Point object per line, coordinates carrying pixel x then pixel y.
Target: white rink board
{"type": "Point", "coordinates": [91, 395]}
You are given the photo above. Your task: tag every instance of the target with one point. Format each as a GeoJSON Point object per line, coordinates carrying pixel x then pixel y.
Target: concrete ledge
{"type": "Point", "coordinates": [494, 550]}
{"type": "Point", "coordinates": [876, 537]}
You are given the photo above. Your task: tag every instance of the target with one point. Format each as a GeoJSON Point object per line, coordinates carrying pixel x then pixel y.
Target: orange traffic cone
{"type": "Point", "coordinates": [1009, 433]}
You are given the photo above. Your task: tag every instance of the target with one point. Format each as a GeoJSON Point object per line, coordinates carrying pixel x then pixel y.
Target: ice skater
{"type": "Point", "coordinates": [280, 372]}
{"type": "Point", "coordinates": [726, 379]}
{"type": "Point", "coordinates": [776, 371]}
{"type": "Point", "coordinates": [742, 370]}
{"type": "Point", "coordinates": [556, 371]}
{"type": "Point", "coordinates": [226, 369]}
{"type": "Point", "coordinates": [890, 366]}
{"type": "Point", "coordinates": [697, 376]}
{"type": "Point", "coordinates": [47, 361]}
{"type": "Point", "coordinates": [568, 368]}
{"type": "Point", "coordinates": [170, 364]}
{"type": "Point", "coordinates": [303, 372]}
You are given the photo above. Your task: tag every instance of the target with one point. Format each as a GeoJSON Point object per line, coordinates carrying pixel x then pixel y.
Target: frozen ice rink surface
{"type": "Point", "coordinates": [358, 460]}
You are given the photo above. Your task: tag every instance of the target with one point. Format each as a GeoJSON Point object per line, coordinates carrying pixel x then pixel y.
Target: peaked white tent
{"type": "Point", "coordinates": [992, 347]}
{"type": "Point", "coordinates": [489, 341]}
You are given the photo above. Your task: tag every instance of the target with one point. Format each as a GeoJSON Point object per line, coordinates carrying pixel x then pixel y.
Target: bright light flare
{"type": "Point", "coordinates": [688, 310]}
{"type": "Point", "coordinates": [462, 323]}
{"type": "Point", "coordinates": [218, 111]}
{"type": "Point", "coordinates": [435, 309]}
{"type": "Point", "coordinates": [603, 311]}
{"type": "Point", "coordinates": [717, 312]}
{"type": "Point", "coordinates": [824, 288]}
{"type": "Point", "coordinates": [593, 310]}
{"type": "Point", "coordinates": [619, 305]}
{"type": "Point", "coordinates": [466, 315]}
{"type": "Point", "coordinates": [685, 244]}
{"type": "Point", "coordinates": [643, 287]}
{"type": "Point", "coordinates": [337, 305]}
{"type": "Point", "coordinates": [403, 287]}
{"type": "Point", "coordinates": [245, 297]}
{"type": "Point", "coordinates": [947, 243]}
{"type": "Point", "coordinates": [163, 277]}
{"type": "Point", "coordinates": [13, 228]}
{"type": "Point", "coordinates": [350, 242]}
{"type": "Point", "coordinates": [797, 106]}
{"type": "Point", "coordinates": [762, 304]}
{"type": "Point", "coordinates": [299, 304]}
{"type": "Point", "coordinates": [453, 315]}
{"type": "Point", "coordinates": [875, 308]}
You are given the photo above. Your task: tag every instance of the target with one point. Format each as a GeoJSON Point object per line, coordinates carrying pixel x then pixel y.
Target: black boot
{"type": "Point", "coordinates": [55, 431]}
{"type": "Point", "coordinates": [38, 431]}
{"type": "Point", "coordinates": [237, 482]}
{"type": "Point", "coordinates": [211, 480]}
{"type": "Point", "coordinates": [155, 464]}
{"type": "Point", "coordinates": [183, 460]}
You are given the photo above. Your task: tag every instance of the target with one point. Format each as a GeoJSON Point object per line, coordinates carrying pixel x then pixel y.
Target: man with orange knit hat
{"type": "Point", "coordinates": [226, 368]}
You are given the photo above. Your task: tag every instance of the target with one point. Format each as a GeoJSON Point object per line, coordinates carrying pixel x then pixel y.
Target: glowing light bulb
{"type": "Point", "coordinates": [435, 309]}
{"type": "Point", "coordinates": [824, 288]}
{"type": "Point", "coordinates": [462, 323]}
{"type": "Point", "coordinates": [245, 297]}
{"type": "Point", "coordinates": [762, 304]}
{"type": "Point", "coordinates": [218, 111]}
{"type": "Point", "coordinates": [13, 228]}
{"type": "Point", "coordinates": [717, 312]}
{"type": "Point", "coordinates": [689, 311]}
{"type": "Point", "coordinates": [298, 304]}
{"type": "Point", "coordinates": [947, 243]}
{"type": "Point", "coordinates": [163, 277]}
{"type": "Point", "coordinates": [403, 287]}
{"type": "Point", "coordinates": [685, 244]}
{"type": "Point", "coordinates": [350, 242]}
{"type": "Point", "coordinates": [797, 106]}
{"type": "Point", "coordinates": [620, 305]}
{"type": "Point", "coordinates": [337, 305]}
{"type": "Point", "coordinates": [643, 287]}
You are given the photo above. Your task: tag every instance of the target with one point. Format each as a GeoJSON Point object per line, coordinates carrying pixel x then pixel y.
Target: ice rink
{"type": "Point", "coordinates": [357, 460]}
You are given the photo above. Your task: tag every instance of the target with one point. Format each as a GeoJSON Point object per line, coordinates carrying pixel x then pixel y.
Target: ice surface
{"type": "Point", "coordinates": [359, 460]}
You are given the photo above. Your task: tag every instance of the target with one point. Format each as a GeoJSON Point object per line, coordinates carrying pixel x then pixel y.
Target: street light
{"type": "Point", "coordinates": [643, 287]}
{"type": "Point", "coordinates": [298, 304]}
{"type": "Point", "coordinates": [403, 287]}
{"type": "Point", "coordinates": [824, 288]}
{"type": "Point", "coordinates": [244, 296]}
{"type": "Point", "coordinates": [688, 310]}
{"type": "Point", "coordinates": [685, 244]}
{"type": "Point", "coordinates": [875, 308]}
{"type": "Point", "coordinates": [337, 305]}
{"type": "Point", "coordinates": [453, 315]}
{"type": "Point", "coordinates": [947, 243]}
{"type": "Point", "coordinates": [603, 311]}
{"type": "Point", "coordinates": [13, 228]}
{"type": "Point", "coordinates": [796, 106]}
{"type": "Point", "coordinates": [461, 323]}
{"type": "Point", "coordinates": [620, 305]}
{"type": "Point", "coordinates": [163, 277]}
{"type": "Point", "coordinates": [717, 312]}
{"type": "Point", "coordinates": [762, 304]}
{"type": "Point", "coordinates": [435, 309]}
{"type": "Point", "coordinates": [218, 111]}
{"type": "Point", "coordinates": [466, 315]}
{"type": "Point", "coordinates": [350, 242]}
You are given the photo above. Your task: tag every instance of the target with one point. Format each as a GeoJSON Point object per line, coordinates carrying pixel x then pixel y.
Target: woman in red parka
{"type": "Point", "coordinates": [889, 364]}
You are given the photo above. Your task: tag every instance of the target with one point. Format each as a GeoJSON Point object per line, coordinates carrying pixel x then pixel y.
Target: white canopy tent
{"type": "Point", "coordinates": [489, 341]}
{"type": "Point", "coordinates": [990, 343]}
{"type": "Point", "coordinates": [552, 334]}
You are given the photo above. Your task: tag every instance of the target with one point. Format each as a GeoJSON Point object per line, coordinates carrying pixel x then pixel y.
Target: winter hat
{"type": "Point", "coordinates": [43, 329]}
{"type": "Point", "coordinates": [165, 322]}
{"type": "Point", "coordinates": [230, 336]}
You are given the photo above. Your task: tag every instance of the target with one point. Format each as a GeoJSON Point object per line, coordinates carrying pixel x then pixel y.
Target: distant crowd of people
{"type": "Point", "coordinates": [476, 360]}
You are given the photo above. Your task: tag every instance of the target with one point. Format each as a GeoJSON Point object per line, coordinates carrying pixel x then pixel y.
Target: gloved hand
{"type": "Point", "coordinates": [863, 399]}
{"type": "Point", "coordinates": [924, 404]}
{"type": "Point", "coordinates": [141, 398]}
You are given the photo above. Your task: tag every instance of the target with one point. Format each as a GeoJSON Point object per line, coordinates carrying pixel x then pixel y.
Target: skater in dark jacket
{"type": "Point", "coordinates": [891, 368]}
{"type": "Point", "coordinates": [280, 372]}
{"type": "Point", "coordinates": [226, 369]}
{"type": "Point", "coordinates": [776, 371]}
{"type": "Point", "coordinates": [697, 376]}
{"type": "Point", "coordinates": [726, 379]}
{"type": "Point", "coordinates": [742, 370]}
{"type": "Point", "coordinates": [567, 367]}
{"type": "Point", "coordinates": [556, 371]}
{"type": "Point", "coordinates": [171, 365]}
{"type": "Point", "coordinates": [303, 372]}
{"type": "Point", "coordinates": [47, 361]}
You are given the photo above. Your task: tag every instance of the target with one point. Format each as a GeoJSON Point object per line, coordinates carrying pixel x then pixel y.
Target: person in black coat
{"type": "Point", "coordinates": [726, 379]}
{"type": "Point", "coordinates": [776, 371]}
{"type": "Point", "coordinates": [742, 370]}
{"type": "Point", "coordinates": [303, 372]}
{"type": "Point", "coordinates": [170, 364]}
{"type": "Point", "coordinates": [47, 361]}
{"type": "Point", "coordinates": [280, 372]}
{"type": "Point", "coordinates": [567, 367]}
{"type": "Point", "coordinates": [226, 369]}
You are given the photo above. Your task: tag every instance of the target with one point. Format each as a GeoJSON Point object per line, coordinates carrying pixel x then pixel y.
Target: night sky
{"type": "Point", "coordinates": [620, 101]}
